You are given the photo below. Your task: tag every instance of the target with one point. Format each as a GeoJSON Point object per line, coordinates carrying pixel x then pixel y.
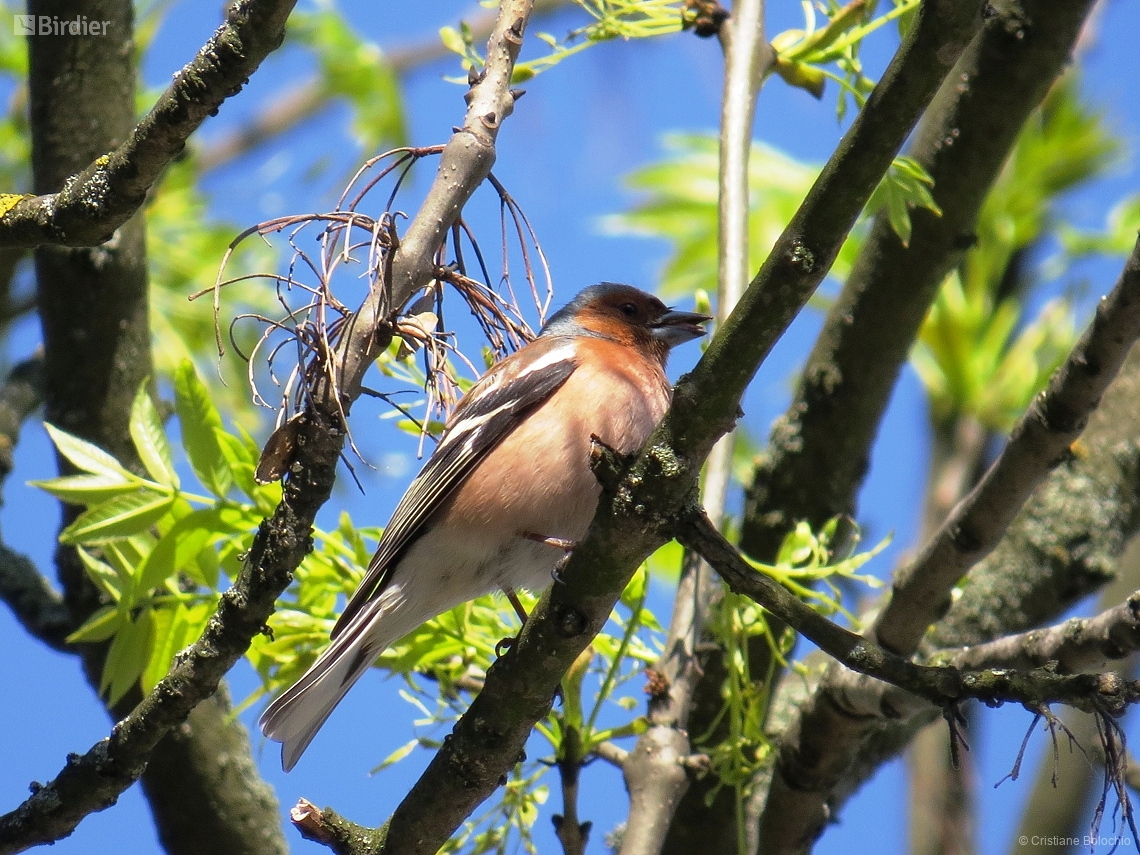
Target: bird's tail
{"type": "Point", "coordinates": [294, 718]}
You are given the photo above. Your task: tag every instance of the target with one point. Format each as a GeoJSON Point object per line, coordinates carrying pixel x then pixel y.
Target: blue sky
{"type": "Point", "coordinates": [580, 128]}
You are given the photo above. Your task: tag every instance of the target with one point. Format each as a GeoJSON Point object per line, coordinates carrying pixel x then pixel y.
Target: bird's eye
{"type": "Point", "coordinates": [628, 309]}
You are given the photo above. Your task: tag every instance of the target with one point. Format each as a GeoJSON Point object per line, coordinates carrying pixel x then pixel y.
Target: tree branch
{"type": "Point", "coordinates": [920, 593]}
{"type": "Point", "coordinates": [656, 781]}
{"type": "Point", "coordinates": [1076, 646]}
{"type": "Point", "coordinates": [93, 781]}
{"type": "Point", "coordinates": [93, 203]}
{"type": "Point", "coordinates": [941, 686]}
{"type": "Point", "coordinates": [305, 99]}
{"type": "Point", "coordinates": [820, 747]}
{"type": "Point", "coordinates": [635, 507]}
{"type": "Point", "coordinates": [36, 604]}
{"type": "Point", "coordinates": [820, 448]}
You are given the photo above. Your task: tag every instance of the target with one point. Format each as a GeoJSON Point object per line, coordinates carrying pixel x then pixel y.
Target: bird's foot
{"type": "Point", "coordinates": [557, 542]}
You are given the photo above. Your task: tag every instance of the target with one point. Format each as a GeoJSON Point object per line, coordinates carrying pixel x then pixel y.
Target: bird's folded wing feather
{"type": "Point", "coordinates": [484, 418]}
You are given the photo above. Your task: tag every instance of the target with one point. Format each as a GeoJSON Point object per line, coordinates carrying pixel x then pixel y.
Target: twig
{"type": "Point", "coordinates": [103, 196]}
{"type": "Point", "coordinates": [572, 834]}
{"type": "Point", "coordinates": [612, 753]}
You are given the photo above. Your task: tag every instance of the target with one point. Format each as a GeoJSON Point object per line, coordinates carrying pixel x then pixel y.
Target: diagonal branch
{"type": "Point", "coordinates": [657, 783]}
{"type": "Point", "coordinates": [942, 685]}
{"type": "Point", "coordinates": [94, 781]}
{"type": "Point", "coordinates": [818, 748]}
{"type": "Point", "coordinates": [635, 508]}
{"type": "Point", "coordinates": [820, 448]}
{"type": "Point", "coordinates": [921, 591]}
{"type": "Point", "coordinates": [93, 203]}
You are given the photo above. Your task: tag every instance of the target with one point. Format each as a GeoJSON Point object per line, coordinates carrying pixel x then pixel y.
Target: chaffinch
{"type": "Point", "coordinates": [508, 490]}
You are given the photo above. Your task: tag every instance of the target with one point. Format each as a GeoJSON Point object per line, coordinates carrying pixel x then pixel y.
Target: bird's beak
{"type": "Point", "coordinates": [674, 327]}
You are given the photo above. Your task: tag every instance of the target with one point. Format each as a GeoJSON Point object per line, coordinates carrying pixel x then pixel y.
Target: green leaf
{"type": "Point", "coordinates": [175, 628]}
{"type": "Point", "coordinates": [177, 548]}
{"type": "Point", "coordinates": [127, 657]}
{"type": "Point", "coordinates": [201, 424]}
{"type": "Point", "coordinates": [906, 185]}
{"type": "Point", "coordinates": [802, 76]}
{"type": "Point", "coordinates": [150, 439]}
{"type": "Point", "coordinates": [86, 456]}
{"type": "Point", "coordinates": [452, 40]}
{"type": "Point", "coordinates": [116, 518]}
{"type": "Point", "coordinates": [104, 576]}
{"type": "Point", "coordinates": [396, 756]}
{"type": "Point", "coordinates": [86, 489]}
{"type": "Point", "coordinates": [162, 649]}
{"type": "Point", "coordinates": [635, 728]}
{"type": "Point", "coordinates": [99, 627]}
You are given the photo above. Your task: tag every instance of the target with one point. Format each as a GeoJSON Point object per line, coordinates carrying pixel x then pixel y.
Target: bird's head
{"type": "Point", "coordinates": [626, 315]}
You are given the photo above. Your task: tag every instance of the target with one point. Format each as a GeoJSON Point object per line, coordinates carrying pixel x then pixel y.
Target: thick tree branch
{"type": "Point", "coordinates": [938, 685]}
{"type": "Point", "coordinates": [94, 781]}
{"type": "Point", "coordinates": [634, 509]}
{"type": "Point", "coordinates": [920, 593]}
{"type": "Point", "coordinates": [656, 781]}
{"type": "Point", "coordinates": [94, 202]}
{"type": "Point", "coordinates": [820, 448]}
{"type": "Point", "coordinates": [1063, 545]}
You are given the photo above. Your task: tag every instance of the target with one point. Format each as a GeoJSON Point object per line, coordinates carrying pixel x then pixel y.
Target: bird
{"type": "Point", "coordinates": [508, 490]}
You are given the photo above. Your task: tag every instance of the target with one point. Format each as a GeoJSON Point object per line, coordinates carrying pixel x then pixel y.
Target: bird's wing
{"type": "Point", "coordinates": [483, 419]}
